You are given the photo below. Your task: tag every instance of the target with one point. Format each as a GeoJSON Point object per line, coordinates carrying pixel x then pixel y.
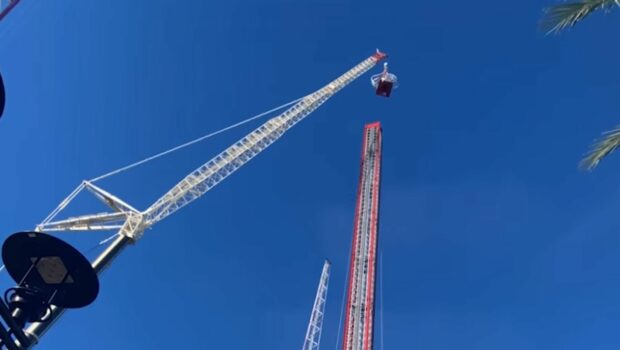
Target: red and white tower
{"type": "Point", "coordinates": [359, 321]}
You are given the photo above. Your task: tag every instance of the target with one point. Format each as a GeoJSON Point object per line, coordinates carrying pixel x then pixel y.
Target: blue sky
{"type": "Point", "coordinates": [491, 236]}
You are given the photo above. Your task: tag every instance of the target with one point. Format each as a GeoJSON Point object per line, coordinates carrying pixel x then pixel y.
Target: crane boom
{"type": "Point", "coordinates": [234, 157]}
{"type": "Point", "coordinates": [313, 334]}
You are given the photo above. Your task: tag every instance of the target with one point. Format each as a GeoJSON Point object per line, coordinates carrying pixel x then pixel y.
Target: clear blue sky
{"type": "Point", "coordinates": [491, 237]}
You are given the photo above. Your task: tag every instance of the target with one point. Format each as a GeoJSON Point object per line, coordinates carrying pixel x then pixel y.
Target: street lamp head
{"type": "Point", "coordinates": [47, 271]}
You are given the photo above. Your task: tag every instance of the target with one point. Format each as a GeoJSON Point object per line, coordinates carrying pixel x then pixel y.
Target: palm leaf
{"type": "Point", "coordinates": [560, 17]}
{"type": "Point", "coordinates": [601, 149]}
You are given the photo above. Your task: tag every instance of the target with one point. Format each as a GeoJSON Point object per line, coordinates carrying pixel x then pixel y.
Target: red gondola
{"type": "Point", "coordinates": [384, 88]}
{"type": "Point", "coordinates": [384, 82]}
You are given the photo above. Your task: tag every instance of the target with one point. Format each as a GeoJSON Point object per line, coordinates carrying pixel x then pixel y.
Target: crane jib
{"type": "Point", "coordinates": [227, 162]}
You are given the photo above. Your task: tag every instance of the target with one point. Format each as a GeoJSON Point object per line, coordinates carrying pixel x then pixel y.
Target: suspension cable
{"type": "Point", "coordinates": [26, 10]}
{"type": "Point", "coordinates": [109, 238]}
{"type": "Point", "coordinates": [63, 204]}
{"type": "Point", "coordinates": [189, 143]}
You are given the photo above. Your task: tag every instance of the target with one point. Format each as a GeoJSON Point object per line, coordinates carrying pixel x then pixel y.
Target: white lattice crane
{"type": "Point", "coordinates": [131, 223]}
{"type": "Point", "coordinates": [315, 326]}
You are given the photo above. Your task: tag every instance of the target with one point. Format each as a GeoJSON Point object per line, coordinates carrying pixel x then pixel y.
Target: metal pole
{"type": "Point", "coordinates": [13, 327]}
{"type": "Point", "coordinates": [6, 339]}
{"type": "Point", "coordinates": [36, 330]}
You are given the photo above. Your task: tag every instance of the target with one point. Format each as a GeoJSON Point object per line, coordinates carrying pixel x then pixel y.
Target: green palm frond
{"type": "Point", "coordinates": [560, 17]}
{"type": "Point", "coordinates": [601, 149]}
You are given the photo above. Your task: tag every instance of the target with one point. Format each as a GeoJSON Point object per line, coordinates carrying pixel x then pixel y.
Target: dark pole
{"type": "Point", "coordinates": [14, 327]}
{"type": "Point", "coordinates": [6, 339]}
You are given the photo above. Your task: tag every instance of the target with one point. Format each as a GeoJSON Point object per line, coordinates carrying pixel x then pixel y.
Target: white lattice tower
{"type": "Point", "coordinates": [313, 334]}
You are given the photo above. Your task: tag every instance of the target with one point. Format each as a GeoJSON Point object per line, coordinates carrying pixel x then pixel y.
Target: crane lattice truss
{"type": "Point", "coordinates": [359, 319]}
{"type": "Point", "coordinates": [313, 334]}
{"type": "Point", "coordinates": [131, 223]}
{"type": "Point", "coordinates": [211, 173]}
{"type": "Point", "coordinates": [6, 6]}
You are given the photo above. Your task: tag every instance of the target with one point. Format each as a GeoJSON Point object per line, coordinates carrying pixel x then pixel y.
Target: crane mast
{"type": "Point", "coordinates": [313, 334]}
{"type": "Point", "coordinates": [132, 223]}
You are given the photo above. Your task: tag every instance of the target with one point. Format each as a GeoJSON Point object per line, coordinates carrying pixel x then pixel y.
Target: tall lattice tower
{"type": "Point", "coordinates": [359, 321]}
